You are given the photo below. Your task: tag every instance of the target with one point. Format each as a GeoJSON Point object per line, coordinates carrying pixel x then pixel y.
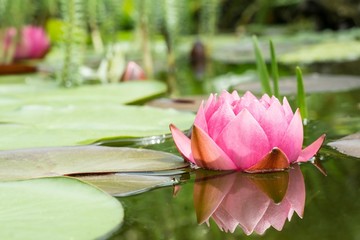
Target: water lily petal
{"type": "Point", "coordinates": [224, 220]}
{"type": "Point", "coordinates": [209, 193]}
{"type": "Point", "coordinates": [287, 110]}
{"type": "Point", "coordinates": [212, 104]}
{"type": "Point", "coordinates": [219, 120]}
{"type": "Point", "coordinates": [235, 95]}
{"type": "Point", "coordinates": [200, 118]}
{"type": "Point", "coordinates": [275, 160]}
{"type": "Point", "coordinates": [265, 100]}
{"type": "Point", "coordinates": [276, 214]}
{"type": "Point", "coordinates": [274, 123]}
{"type": "Point", "coordinates": [291, 143]}
{"type": "Point", "coordinates": [295, 194]}
{"type": "Point", "coordinates": [246, 204]}
{"type": "Point", "coordinates": [308, 152]}
{"type": "Point", "coordinates": [182, 143]}
{"type": "Point", "coordinates": [207, 153]}
{"type": "Point", "coordinates": [251, 97]}
{"type": "Point", "coordinates": [262, 226]}
{"type": "Point", "coordinates": [244, 141]}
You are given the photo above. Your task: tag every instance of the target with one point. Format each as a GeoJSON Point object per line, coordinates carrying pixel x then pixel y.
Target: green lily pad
{"type": "Point", "coordinates": [313, 83]}
{"type": "Point", "coordinates": [124, 184]}
{"type": "Point", "coordinates": [50, 94]}
{"type": "Point", "coordinates": [48, 126]}
{"type": "Point", "coordinates": [349, 145]}
{"type": "Point", "coordinates": [56, 208]}
{"type": "Point", "coordinates": [324, 52]}
{"type": "Point", "coordinates": [46, 162]}
{"type": "Point", "coordinates": [188, 103]}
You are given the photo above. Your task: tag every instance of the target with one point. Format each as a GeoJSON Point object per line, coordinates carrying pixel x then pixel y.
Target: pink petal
{"type": "Point", "coordinates": [224, 220]}
{"type": "Point", "coordinates": [235, 95]}
{"type": "Point", "coordinates": [274, 123]}
{"type": "Point", "coordinates": [291, 143]}
{"type": "Point", "coordinates": [256, 109]}
{"type": "Point", "coordinates": [262, 226]}
{"type": "Point", "coordinates": [249, 96]}
{"type": "Point", "coordinates": [207, 153]}
{"type": "Point", "coordinates": [308, 152]}
{"type": "Point", "coordinates": [219, 120]}
{"type": "Point", "coordinates": [265, 100]}
{"type": "Point", "coordinates": [244, 141]}
{"type": "Point", "coordinates": [209, 193]}
{"type": "Point", "coordinates": [246, 203]}
{"type": "Point", "coordinates": [276, 215]}
{"type": "Point", "coordinates": [245, 102]}
{"type": "Point", "coordinates": [200, 119]}
{"type": "Point", "coordinates": [182, 143]}
{"type": "Point", "coordinates": [287, 110]}
{"type": "Point", "coordinates": [212, 104]}
{"type": "Point", "coordinates": [225, 96]}
{"type": "Point", "coordinates": [295, 194]}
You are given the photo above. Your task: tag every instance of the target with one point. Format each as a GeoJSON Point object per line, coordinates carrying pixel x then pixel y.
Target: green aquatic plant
{"type": "Point", "coordinates": [73, 42]}
{"type": "Point", "coordinates": [266, 82]}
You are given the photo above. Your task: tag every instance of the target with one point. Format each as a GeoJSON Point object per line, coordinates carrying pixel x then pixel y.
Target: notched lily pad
{"type": "Point", "coordinates": [125, 184]}
{"type": "Point", "coordinates": [349, 145]}
{"type": "Point", "coordinates": [45, 162]}
{"type": "Point", "coordinates": [56, 208]}
{"type": "Point", "coordinates": [50, 126]}
{"type": "Point", "coordinates": [313, 83]}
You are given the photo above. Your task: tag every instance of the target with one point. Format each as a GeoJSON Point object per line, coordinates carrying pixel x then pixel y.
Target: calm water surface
{"type": "Point", "coordinates": [331, 206]}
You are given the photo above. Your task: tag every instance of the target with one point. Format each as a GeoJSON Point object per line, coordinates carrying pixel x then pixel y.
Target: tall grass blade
{"type": "Point", "coordinates": [261, 68]}
{"type": "Point", "coordinates": [274, 70]}
{"type": "Point", "coordinates": [301, 96]}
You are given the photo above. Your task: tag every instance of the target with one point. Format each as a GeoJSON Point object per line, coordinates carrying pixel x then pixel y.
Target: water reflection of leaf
{"type": "Point", "coordinates": [252, 202]}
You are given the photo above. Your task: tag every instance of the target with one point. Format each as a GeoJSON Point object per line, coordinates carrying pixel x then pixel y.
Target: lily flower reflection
{"type": "Point", "coordinates": [253, 202]}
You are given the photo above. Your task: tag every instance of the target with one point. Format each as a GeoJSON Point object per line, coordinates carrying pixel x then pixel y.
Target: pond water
{"type": "Point", "coordinates": [238, 205]}
{"type": "Point", "coordinates": [331, 206]}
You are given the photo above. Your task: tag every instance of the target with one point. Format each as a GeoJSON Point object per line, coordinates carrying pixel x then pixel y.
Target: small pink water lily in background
{"type": "Point", "coordinates": [252, 202]}
{"type": "Point", "coordinates": [34, 42]}
{"type": "Point", "coordinates": [133, 72]}
{"type": "Point", "coordinates": [246, 134]}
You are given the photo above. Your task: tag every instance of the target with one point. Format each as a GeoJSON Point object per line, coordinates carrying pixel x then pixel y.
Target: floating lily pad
{"type": "Point", "coordinates": [190, 103]}
{"type": "Point", "coordinates": [51, 94]}
{"type": "Point", "coordinates": [313, 83]}
{"type": "Point", "coordinates": [48, 126]}
{"type": "Point", "coordinates": [349, 145]}
{"type": "Point", "coordinates": [56, 208]}
{"type": "Point", "coordinates": [45, 162]}
{"type": "Point", "coordinates": [324, 52]}
{"type": "Point", "coordinates": [121, 184]}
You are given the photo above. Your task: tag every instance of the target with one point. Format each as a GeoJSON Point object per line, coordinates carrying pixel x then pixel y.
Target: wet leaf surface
{"type": "Point", "coordinates": [47, 126]}
{"type": "Point", "coordinates": [46, 162]}
{"type": "Point", "coordinates": [349, 145]}
{"type": "Point", "coordinates": [51, 94]}
{"type": "Point", "coordinates": [56, 208]}
{"type": "Point", "coordinates": [122, 184]}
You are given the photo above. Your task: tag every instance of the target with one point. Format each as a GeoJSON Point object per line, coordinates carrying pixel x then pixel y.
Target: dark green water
{"type": "Point", "coordinates": [332, 206]}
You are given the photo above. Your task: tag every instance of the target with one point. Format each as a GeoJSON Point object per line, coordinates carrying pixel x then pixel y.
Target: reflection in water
{"type": "Point", "coordinates": [252, 201]}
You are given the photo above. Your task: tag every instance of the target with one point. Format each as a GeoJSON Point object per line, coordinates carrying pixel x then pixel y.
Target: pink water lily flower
{"type": "Point", "coordinates": [34, 42]}
{"type": "Point", "coordinates": [246, 134]}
